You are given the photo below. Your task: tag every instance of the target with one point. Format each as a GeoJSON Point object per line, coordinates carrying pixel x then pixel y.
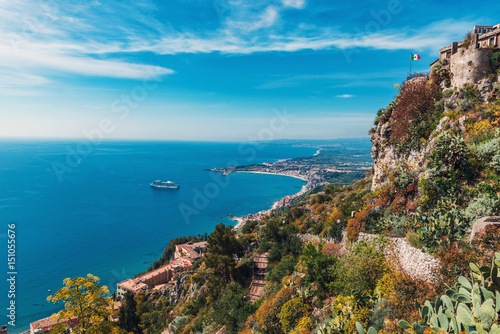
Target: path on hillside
{"type": "Point", "coordinates": [258, 277]}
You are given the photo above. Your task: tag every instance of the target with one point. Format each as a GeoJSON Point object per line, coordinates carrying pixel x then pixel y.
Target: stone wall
{"type": "Point", "coordinates": [470, 65]}
{"type": "Point", "coordinates": [411, 260]}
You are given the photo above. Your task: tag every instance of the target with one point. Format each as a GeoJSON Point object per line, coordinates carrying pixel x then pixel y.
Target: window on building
{"type": "Point", "coordinates": [492, 40]}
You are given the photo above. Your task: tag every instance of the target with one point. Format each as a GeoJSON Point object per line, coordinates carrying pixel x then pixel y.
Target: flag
{"type": "Point", "coordinates": [415, 57]}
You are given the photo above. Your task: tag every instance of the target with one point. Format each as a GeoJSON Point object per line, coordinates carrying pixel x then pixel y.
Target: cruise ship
{"type": "Point", "coordinates": [164, 185]}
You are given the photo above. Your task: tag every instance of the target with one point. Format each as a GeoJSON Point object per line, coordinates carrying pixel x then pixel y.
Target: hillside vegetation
{"type": "Point", "coordinates": [436, 152]}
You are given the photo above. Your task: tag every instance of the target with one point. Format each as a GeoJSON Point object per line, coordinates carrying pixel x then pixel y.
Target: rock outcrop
{"type": "Point", "coordinates": [482, 223]}
{"type": "Point", "coordinates": [386, 157]}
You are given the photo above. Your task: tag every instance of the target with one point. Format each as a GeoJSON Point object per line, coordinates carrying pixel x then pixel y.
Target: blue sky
{"type": "Point", "coordinates": [221, 70]}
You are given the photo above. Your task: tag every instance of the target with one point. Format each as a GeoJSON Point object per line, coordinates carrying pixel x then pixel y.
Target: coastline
{"type": "Point", "coordinates": [285, 201]}
{"type": "Point", "coordinates": [126, 202]}
{"type": "Point", "coordinates": [303, 178]}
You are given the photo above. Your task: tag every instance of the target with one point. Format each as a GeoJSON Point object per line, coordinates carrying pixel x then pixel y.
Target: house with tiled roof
{"type": "Point", "coordinates": [48, 323]}
{"type": "Point", "coordinates": [184, 257]}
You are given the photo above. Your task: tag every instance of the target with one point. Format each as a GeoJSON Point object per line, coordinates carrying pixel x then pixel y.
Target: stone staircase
{"type": "Point", "coordinates": [259, 277]}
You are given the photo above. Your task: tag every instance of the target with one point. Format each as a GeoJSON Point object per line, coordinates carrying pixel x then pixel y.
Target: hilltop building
{"type": "Point", "coordinates": [191, 250]}
{"type": "Point", "coordinates": [184, 257]}
{"type": "Point", "coordinates": [469, 60]}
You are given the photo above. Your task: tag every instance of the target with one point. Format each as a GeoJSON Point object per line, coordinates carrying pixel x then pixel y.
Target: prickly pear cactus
{"type": "Point", "coordinates": [471, 306]}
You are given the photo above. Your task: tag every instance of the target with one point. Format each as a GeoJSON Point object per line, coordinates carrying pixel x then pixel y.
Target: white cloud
{"type": "Point", "coordinates": [81, 40]}
{"type": "Point", "coordinates": [242, 37]}
{"type": "Point", "coordinates": [345, 96]}
{"type": "Point", "coordinates": [12, 78]}
{"type": "Point", "coordinates": [299, 4]}
{"type": "Point", "coordinates": [67, 58]}
{"type": "Point", "coordinates": [49, 40]}
{"type": "Point", "coordinates": [266, 19]}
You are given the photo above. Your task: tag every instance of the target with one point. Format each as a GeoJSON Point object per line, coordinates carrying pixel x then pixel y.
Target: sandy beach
{"type": "Point", "coordinates": [277, 204]}
{"type": "Point", "coordinates": [303, 178]}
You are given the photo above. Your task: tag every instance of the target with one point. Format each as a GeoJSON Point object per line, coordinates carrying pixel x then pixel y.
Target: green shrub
{"type": "Point", "coordinates": [361, 269]}
{"type": "Point", "coordinates": [482, 206]}
{"type": "Point", "coordinates": [443, 225]}
{"type": "Point", "coordinates": [467, 40]}
{"type": "Point", "coordinates": [447, 93]}
{"type": "Point", "coordinates": [489, 152]}
{"type": "Point", "coordinates": [414, 239]}
{"type": "Point", "coordinates": [380, 312]}
{"type": "Point", "coordinates": [470, 92]}
{"type": "Point", "coordinates": [231, 310]}
{"type": "Point", "coordinates": [249, 227]}
{"type": "Point", "coordinates": [285, 267]}
{"type": "Point", "coordinates": [291, 312]}
{"type": "Point", "coordinates": [403, 177]}
{"type": "Point", "coordinates": [495, 162]}
{"type": "Point", "coordinates": [464, 105]}
{"type": "Point", "coordinates": [495, 61]}
{"type": "Point", "coordinates": [487, 149]}
{"type": "Point", "coordinates": [313, 260]}
{"type": "Point", "coordinates": [395, 223]}
{"type": "Point", "coordinates": [450, 164]}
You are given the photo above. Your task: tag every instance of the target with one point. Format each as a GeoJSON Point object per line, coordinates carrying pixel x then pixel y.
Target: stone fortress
{"type": "Point", "coordinates": [469, 60]}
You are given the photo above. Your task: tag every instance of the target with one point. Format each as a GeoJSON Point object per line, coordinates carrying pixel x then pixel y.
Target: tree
{"type": "Point", "coordinates": [223, 251]}
{"type": "Point", "coordinates": [320, 267]}
{"type": "Point", "coordinates": [280, 239]}
{"type": "Point", "coordinates": [84, 299]}
{"type": "Point", "coordinates": [231, 310]}
{"type": "Point", "coordinates": [128, 318]}
{"type": "Point", "coordinates": [292, 312]}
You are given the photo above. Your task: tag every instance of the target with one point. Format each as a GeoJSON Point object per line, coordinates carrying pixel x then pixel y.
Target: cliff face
{"type": "Point", "coordinates": [387, 158]}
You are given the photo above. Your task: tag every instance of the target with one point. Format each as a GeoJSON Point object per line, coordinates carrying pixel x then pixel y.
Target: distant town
{"type": "Point", "coordinates": [333, 163]}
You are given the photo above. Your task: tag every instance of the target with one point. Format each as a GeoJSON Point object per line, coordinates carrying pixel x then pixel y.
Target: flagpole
{"type": "Point", "coordinates": [411, 58]}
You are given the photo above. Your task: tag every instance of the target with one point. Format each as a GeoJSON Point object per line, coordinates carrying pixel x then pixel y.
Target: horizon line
{"type": "Point", "coordinates": [97, 142]}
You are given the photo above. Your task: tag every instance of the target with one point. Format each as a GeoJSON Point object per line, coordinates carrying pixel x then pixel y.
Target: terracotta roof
{"type": "Point", "coordinates": [50, 322]}
{"type": "Point", "coordinates": [132, 285]}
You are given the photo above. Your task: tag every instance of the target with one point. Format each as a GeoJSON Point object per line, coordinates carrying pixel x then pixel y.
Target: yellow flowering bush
{"type": "Point", "coordinates": [304, 326]}
{"type": "Point", "coordinates": [346, 313]}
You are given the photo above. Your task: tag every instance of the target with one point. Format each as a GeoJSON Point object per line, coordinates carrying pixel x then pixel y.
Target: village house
{"type": "Point", "coordinates": [191, 250]}
{"type": "Point", "coordinates": [48, 323]}
{"type": "Point", "coordinates": [184, 257]}
{"type": "Point", "coordinates": [482, 37]}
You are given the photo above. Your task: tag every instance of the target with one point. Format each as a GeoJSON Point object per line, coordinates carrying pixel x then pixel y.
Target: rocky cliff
{"type": "Point", "coordinates": [461, 82]}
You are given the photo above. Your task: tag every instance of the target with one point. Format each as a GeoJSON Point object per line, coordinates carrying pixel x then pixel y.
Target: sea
{"type": "Point", "coordinates": [78, 207]}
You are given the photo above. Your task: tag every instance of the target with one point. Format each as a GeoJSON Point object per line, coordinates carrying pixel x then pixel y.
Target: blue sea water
{"type": "Point", "coordinates": [85, 208]}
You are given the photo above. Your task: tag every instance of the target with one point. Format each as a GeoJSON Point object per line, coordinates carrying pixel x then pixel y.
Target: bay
{"type": "Point", "coordinates": [81, 207]}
